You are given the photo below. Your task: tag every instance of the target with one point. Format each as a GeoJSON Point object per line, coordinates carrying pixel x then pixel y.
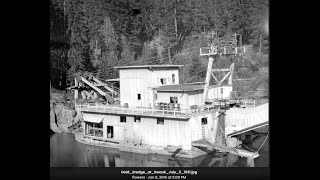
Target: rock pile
{"type": "Point", "coordinates": [63, 117]}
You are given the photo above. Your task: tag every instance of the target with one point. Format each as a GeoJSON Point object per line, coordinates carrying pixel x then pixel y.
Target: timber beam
{"type": "Point", "coordinates": [220, 70]}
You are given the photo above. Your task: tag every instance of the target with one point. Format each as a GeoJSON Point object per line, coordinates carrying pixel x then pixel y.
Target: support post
{"type": "Point", "coordinates": [215, 127]}
{"type": "Point", "coordinates": [221, 124]}
{"type": "Point", "coordinates": [206, 87]}
{"type": "Point", "coordinates": [231, 74]}
{"type": "Point", "coordinates": [250, 162]}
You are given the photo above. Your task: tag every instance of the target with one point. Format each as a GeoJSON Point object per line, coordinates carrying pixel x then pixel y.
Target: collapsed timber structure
{"type": "Point", "coordinates": [153, 113]}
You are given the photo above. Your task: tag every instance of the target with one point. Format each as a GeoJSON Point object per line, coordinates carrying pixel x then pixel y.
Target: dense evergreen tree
{"type": "Point", "coordinates": [196, 71]}
{"type": "Point", "coordinates": [127, 54]}
{"type": "Point", "coordinates": [102, 34]}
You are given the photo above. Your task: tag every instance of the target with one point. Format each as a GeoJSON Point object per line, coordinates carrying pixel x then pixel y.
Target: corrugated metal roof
{"type": "Point", "coordinates": [149, 66]}
{"type": "Point", "coordinates": [180, 87]}
{"type": "Point", "coordinates": [185, 87]}
{"type": "Point", "coordinates": [94, 118]}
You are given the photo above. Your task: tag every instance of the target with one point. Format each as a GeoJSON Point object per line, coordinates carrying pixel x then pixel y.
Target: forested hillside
{"type": "Point", "coordinates": [96, 35]}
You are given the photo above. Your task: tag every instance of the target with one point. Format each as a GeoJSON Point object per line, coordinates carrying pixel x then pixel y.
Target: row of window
{"type": "Point", "coordinates": [95, 129]}
{"type": "Point", "coordinates": [163, 81]}
{"type": "Point", "coordinates": [172, 99]}
{"type": "Point", "coordinates": [123, 119]}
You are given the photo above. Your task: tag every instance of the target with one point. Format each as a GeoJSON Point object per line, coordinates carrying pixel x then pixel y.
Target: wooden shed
{"type": "Point", "coordinates": [220, 92]}
{"type": "Point", "coordinates": [187, 95]}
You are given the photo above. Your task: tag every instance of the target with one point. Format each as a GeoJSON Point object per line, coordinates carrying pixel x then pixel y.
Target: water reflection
{"type": "Point", "coordinates": [65, 151]}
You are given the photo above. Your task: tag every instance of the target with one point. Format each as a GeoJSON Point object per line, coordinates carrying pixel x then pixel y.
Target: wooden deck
{"type": "Point", "coordinates": [114, 109]}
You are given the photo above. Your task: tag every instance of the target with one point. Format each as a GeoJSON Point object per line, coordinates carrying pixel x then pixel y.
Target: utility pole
{"type": "Point", "coordinates": [213, 53]}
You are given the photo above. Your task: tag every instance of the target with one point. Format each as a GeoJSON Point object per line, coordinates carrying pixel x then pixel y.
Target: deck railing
{"type": "Point", "coordinates": [248, 103]}
{"type": "Point", "coordinates": [182, 113]}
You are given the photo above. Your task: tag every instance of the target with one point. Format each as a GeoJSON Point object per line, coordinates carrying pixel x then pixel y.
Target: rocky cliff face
{"type": "Point", "coordinates": [63, 118]}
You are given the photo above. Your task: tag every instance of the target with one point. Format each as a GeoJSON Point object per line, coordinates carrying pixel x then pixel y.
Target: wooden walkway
{"type": "Point", "coordinates": [113, 109]}
{"type": "Point", "coordinates": [249, 128]}
{"type": "Point", "coordinates": [240, 120]}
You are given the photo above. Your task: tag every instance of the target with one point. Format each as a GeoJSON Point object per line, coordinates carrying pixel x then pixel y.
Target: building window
{"type": "Point", "coordinates": [204, 121]}
{"type": "Point", "coordinates": [137, 119]}
{"type": "Point", "coordinates": [160, 121]}
{"type": "Point", "coordinates": [139, 96]}
{"type": "Point", "coordinates": [221, 90]}
{"type": "Point", "coordinates": [163, 81]}
{"type": "Point", "coordinates": [123, 119]}
{"type": "Point", "coordinates": [109, 131]}
{"type": "Point", "coordinates": [156, 96]}
{"type": "Point", "coordinates": [174, 100]}
{"type": "Point", "coordinates": [94, 129]}
{"type": "Point", "coordinates": [173, 78]}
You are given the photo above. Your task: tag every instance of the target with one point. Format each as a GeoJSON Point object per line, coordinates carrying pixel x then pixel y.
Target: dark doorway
{"type": "Point", "coordinates": [204, 121]}
{"type": "Point", "coordinates": [109, 131]}
{"type": "Point", "coordinates": [174, 100]}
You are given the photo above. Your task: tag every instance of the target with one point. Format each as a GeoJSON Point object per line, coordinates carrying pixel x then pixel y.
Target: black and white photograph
{"type": "Point", "coordinates": [159, 83]}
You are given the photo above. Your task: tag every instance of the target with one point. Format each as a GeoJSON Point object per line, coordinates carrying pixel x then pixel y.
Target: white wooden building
{"type": "Point", "coordinates": [147, 130]}
{"type": "Point", "coordinates": [136, 82]}
{"type": "Point", "coordinates": [146, 86]}
{"type": "Point", "coordinates": [187, 95]}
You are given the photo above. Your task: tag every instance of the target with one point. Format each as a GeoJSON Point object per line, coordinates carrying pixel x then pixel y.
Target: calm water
{"type": "Point", "coordinates": [65, 151]}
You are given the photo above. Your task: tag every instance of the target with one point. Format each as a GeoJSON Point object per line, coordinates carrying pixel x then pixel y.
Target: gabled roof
{"type": "Point", "coordinates": [149, 66]}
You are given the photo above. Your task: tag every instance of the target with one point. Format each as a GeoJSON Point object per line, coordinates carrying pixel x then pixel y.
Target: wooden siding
{"type": "Point", "coordinates": [134, 81]}
{"type": "Point", "coordinates": [215, 92]}
{"type": "Point", "coordinates": [195, 98]}
{"type": "Point", "coordinates": [172, 132]}
{"type": "Point", "coordinates": [209, 128]}
{"type": "Point", "coordinates": [195, 123]}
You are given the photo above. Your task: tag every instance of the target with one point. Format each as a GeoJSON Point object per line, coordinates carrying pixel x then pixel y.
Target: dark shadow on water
{"type": "Point", "coordinates": [65, 151]}
{"type": "Point", "coordinates": [51, 132]}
